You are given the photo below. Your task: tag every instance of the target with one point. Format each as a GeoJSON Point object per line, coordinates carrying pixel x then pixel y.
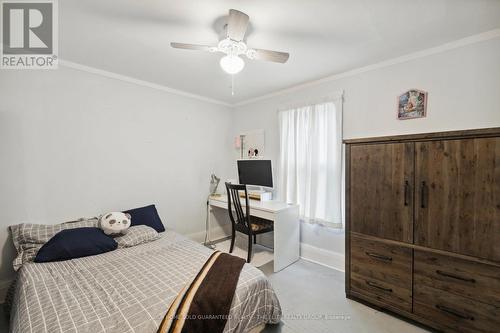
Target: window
{"type": "Point", "coordinates": [310, 166]}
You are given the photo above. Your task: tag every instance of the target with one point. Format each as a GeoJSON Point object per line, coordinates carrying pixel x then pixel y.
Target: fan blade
{"type": "Point", "coordinates": [237, 25]}
{"type": "Point", "coordinates": [267, 55]}
{"type": "Point", "coordinates": [194, 47]}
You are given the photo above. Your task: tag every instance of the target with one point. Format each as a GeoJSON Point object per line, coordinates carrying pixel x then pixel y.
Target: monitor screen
{"type": "Point", "coordinates": [255, 172]}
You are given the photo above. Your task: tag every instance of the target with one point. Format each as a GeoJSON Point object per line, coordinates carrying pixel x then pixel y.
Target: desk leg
{"type": "Point", "coordinates": [209, 220]}
{"type": "Point", "coordinates": [286, 238]}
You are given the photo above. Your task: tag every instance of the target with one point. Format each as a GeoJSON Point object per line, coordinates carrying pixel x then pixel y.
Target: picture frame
{"type": "Point", "coordinates": [412, 104]}
{"type": "Point", "coordinates": [251, 144]}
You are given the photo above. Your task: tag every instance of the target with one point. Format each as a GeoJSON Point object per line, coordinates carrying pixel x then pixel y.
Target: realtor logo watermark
{"type": "Point", "coordinates": [29, 34]}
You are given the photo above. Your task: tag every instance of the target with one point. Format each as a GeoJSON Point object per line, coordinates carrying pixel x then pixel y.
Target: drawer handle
{"type": "Point", "coordinates": [457, 277]}
{"type": "Point", "coordinates": [374, 285]}
{"type": "Point", "coordinates": [454, 312]}
{"type": "Point", "coordinates": [378, 256]}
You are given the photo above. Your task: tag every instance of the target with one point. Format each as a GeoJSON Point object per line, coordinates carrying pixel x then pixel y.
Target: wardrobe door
{"type": "Point", "coordinates": [458, 196]}
{"type": "Point", "coordinates": [381, 190]}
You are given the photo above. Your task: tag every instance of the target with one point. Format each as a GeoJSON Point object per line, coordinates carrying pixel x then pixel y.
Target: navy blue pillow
{"type": "Point", "coordinates": [146, 216]}
{"type": "Point", "coordinates": [75, 243]}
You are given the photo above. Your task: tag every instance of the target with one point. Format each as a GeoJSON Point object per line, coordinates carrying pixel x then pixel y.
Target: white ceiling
{"type": "Point", "coordinates": [323, 37]}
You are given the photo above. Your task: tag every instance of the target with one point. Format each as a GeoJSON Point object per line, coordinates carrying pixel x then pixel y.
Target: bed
{"type": "Point", "coordinates": [129, 290]}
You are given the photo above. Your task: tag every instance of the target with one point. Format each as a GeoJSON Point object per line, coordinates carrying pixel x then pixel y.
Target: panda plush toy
{"type": "Point", "coordinates": [115, 223]}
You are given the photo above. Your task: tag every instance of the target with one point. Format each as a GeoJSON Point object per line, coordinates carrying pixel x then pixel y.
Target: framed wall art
{"type": "Point", "coordinates": [412, 104]}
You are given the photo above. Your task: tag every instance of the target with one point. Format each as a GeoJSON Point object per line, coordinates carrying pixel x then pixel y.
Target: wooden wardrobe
{"type": "Point", "coordinates": [423, 227]}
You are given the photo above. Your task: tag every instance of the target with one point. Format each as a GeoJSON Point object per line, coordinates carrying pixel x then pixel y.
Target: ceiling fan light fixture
{"type": "Point", "coordinates": [232, 64]}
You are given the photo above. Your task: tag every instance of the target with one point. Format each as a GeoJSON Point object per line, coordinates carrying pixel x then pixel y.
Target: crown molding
{"type": "Point", "coordinates": [128, 79]}
{"type": "Point", "coordinates": [488, 35]}
{"type": "Point", "coordinates": [492, 34]}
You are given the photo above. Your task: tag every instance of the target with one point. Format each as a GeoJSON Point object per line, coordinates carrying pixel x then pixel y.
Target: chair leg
{"type": "Point", "coordinates": [233, 236]}
{"type": "Point", "coordinates": [249, 248]}
{"type": "Point", "coordinates": [254, 238]}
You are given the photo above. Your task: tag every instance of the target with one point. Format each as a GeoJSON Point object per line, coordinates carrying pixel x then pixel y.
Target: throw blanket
{"type": "Point", "coordinates": [204, 304]}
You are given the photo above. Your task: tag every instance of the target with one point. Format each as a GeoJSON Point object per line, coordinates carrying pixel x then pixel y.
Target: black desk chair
{"type": "Point", "coordinates": [243, 221]}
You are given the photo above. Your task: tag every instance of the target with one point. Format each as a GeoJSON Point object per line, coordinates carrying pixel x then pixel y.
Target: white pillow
{"type": "Point", "coordinates": [136, 235]}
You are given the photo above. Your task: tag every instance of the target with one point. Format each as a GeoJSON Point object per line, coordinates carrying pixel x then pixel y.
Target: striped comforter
{"type": "Point", "coordinates": [128, 290]}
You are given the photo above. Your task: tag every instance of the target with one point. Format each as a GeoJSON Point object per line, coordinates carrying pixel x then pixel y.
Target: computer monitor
{"type": "Point", "coordinates": [255, 172]}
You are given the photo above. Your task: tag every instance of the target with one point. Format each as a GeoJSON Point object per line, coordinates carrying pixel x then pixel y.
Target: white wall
{"type": "Point", "coordinates": [77, 144]}
{"type": "Point", "coordinates": [463, 86]}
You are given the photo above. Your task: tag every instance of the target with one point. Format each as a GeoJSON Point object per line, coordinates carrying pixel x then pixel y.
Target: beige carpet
{"type": "Point", "coordinates": [260, 255]}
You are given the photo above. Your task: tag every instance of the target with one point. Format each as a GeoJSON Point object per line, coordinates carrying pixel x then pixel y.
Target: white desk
{"type": "Point", "coordinates": [286, 226]}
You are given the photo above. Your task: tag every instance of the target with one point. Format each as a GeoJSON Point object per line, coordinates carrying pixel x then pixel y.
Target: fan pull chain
{"type": "Point", "coordinates": [232, 85]}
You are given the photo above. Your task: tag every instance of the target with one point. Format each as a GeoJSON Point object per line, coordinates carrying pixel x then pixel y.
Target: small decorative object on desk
{"type": "Point", "coordinates": [214, 183]}
{"type": "Point", "coordinates": [412, 104]}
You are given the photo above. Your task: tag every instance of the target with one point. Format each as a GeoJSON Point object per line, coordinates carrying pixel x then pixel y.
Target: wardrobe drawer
{"type": "Point", "coordinates": [480, 282]}
{"type": "Point", "coordinates": [454, 313]}
{"type": "Point", "coordinates": [382, 271]}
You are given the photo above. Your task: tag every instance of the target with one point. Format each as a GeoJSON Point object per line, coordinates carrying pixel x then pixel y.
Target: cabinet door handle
{"type": "Point", "coordinates": [407, 193]}
{"type": "Point", "coordinates": [454, 276]}
{"type": "Point", "coordinates": [378, 256]}
{"type": "Point", "coordinates": [454, 312]}
{"type": "Point", "coordinates": [374, 285]}
{"type": "Point", "coordinates": [423, 195]}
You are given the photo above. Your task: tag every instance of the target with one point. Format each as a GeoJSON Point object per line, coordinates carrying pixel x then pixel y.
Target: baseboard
{"type": "Point", "coordinates": [216, 233]}
{"type": "Point", "coordinates": [4, 287]}
{"type": "Point", "coordinates": [308, 252]}
{"type": "Point", "coordinates": [323, 257]}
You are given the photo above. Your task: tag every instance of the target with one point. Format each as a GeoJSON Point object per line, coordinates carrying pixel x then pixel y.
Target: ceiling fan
{"type": "Point", "coordinates": [233, 46]}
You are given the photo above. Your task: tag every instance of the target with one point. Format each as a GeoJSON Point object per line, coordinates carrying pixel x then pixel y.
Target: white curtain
{"type": "Point", "coordinates": [310, 169]}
